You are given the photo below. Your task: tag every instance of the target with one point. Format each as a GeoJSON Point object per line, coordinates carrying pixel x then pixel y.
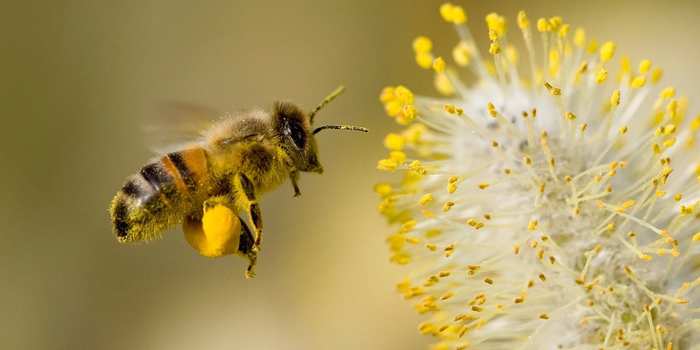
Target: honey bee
{"type": "Point", "coordinates": [212, 186]}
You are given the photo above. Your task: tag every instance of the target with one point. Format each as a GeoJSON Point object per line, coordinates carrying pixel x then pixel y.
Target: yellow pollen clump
{"type": "Point", "coordinates": [696, 237]}
{"type": "Point", "coordinates": [453, 14]}
{"type": "Point", "coordinates": [607, 51]}
{"type": "Point", "coordinates": [394, 142]}
{"type": "Point", "coordinates": [543, 25]}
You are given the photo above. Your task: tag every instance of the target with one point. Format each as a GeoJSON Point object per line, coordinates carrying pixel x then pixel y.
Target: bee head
{"type": "Point", "coordinates": [298, 137]}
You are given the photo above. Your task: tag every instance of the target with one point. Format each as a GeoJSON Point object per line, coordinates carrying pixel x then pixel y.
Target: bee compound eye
{"type": "Point", "coordinates": [298, 134]}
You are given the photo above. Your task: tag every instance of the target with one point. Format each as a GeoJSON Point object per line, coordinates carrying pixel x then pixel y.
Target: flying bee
{"type": "Point", "coordinates": [212, 186]}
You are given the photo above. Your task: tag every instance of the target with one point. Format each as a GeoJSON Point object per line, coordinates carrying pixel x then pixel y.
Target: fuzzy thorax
{"type": "Point", "coordinates": [552, 204]}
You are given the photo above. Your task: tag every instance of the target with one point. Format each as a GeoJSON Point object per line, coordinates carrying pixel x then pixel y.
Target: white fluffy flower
{"type": "Point", "coordinates": [560, 211]}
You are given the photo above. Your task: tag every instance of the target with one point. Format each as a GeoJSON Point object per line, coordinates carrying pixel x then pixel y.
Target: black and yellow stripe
{"type": "Point", "coordinates": [159, 195]}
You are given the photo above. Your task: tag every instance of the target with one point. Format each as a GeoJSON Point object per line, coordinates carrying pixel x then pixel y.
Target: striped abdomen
{"type": "Point", "coordinates": [159, 195]}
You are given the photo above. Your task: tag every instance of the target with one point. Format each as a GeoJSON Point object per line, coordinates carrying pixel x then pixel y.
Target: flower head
{"type": "Point", "coordinates": [553, 204]}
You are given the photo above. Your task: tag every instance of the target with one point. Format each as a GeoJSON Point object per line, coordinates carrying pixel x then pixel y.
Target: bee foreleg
{"type": "Point", "coordinates": [294, 177]}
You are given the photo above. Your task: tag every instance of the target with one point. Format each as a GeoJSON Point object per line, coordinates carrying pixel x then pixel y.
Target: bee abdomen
{"type": "Point", "coordinates": [158, 196]}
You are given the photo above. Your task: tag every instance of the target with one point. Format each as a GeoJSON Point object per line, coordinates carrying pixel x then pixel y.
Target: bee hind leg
{"type": "Point", "coordinates": [247, 202]}
{"type": "Point", "coordinates": [248, 248]}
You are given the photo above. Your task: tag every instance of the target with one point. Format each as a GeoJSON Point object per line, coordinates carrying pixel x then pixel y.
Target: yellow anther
{"type": "Point", "coordinates": [625, 205]}
{"type": "Point", "coordinates": [453, 14]}
{"type": "Point", "coordinates": [496, 25]}
{"type": "Point", "coordinates": [601, 75]}
{"type": "Point", "coordinates": [677, 197]}
{"type": "Point", "coordinates": [408, 113]}
{"type": "Point", "coordinates": [403, 94]}
{"type": "Point", "coordinates": [644, 66]}
{"type": "Point", "coordinates": [607, 51]}
{"type": "Point", "coordinates": [488, 280]}
{"type": "Point", "coordinates": [532, 225]}
{"type": "Point", "coordinates": [583, 68]}
{"type": "Point", "coordinates": [512, 55]}
{"type": "Point", "coordinates": [656, 75]}
{"type": "Point", "coordinates": [543, 25]}
{"type": "Point", "coordinates": [387, 94]}
{"type": "Point", "coordinates": [667, 93]}
{"type": "Point", "coordinates": [580, 37]}
{"type": "Point", "coordinates": [615, 98]}
{"type": "Point", "coordinates": [494, 48]}
{"type": "Point", "coordinates": [392, 108]}
{"type": "Point", "coordinates": [554, 61]}
{"type": "Point", "coordinates": [638, 81]}
{"type": "Point", "coordinates": [397, 156]}
{"type": "Point", "coordinates": [564, 30]}
{"type": "Point", "coordinates": [570, 116]}
{"type": "Point", "coordinates": [555, 91]}
{"type": "Point", "coordinates": [417, 167]}
{"type": "Point", "coordinates": [461, 54]}
{"type": "Point", "coordinates": [447, 206]}
{"type": "Point", "coordinates": [483, 186]}
{"type": "Point", "coordinates": [527, 160]}
{"type": "Point", "coordinates": [383, 189]}
{"type": "Point", "coordinates": [668, 129]}
{"type": "Point", "coordinates": [555, 22]}
{"type": "Point", "coordinates": [439, 65]}
{"type": "Point", "coordinates": [696, 237]}
{"type": "Point", "coordinates": [645, 257]}
{"type": "Point", "coordinates": [408, 226]}
{"type": "Point", "coordinates": [491, 109]}
{"type": "Point", "coordinates": [394, 142]}
{"type": "Point", "coordinates": [387, 165]}
{"type": "Point", "coordinates": [451, 187]}
{"type": "Point", "coordinates": [523, 21]}
{"type": "Point", "coordinates": [422, 44]}
{"type": "Point", "coordinates": [426, 199]}
{"type": "Point", "coordinates": [443, 84]}
{"type": "Point", "coordinates": [424, 60]}
{"type": "Point", "coordinates": [544, 317]}
{"type": "Point", "coordinates": [542, 277]}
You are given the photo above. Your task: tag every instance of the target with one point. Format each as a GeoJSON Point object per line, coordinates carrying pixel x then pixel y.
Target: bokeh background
{"type": "Point", "coordinates": [79, 80]}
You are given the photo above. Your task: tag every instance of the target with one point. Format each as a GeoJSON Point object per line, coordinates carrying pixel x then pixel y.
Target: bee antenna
{"type": "Point", "coordinates": [341, 127]}
{"type": "Point", "coordinates": [326, 100]}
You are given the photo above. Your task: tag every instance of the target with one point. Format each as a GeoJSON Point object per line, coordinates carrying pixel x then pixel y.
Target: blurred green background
{"type": "Point", "coordinates": [80, 78]}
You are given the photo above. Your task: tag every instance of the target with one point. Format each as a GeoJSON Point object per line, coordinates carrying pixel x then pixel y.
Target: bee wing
{"type": "Point", "coordinates": [177, 124]}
